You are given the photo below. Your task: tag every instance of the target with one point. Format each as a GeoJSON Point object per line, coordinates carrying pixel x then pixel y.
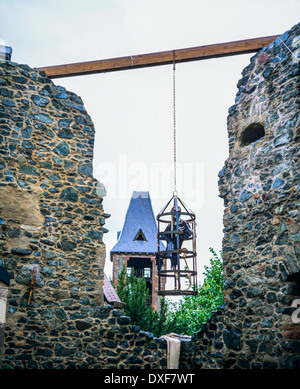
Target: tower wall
{"type": "Point", "coordinates": [259, 326]}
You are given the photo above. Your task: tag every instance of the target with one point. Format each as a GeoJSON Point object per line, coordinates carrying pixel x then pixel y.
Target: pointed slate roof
{"type": "Point", "coordinates": [139, 216]}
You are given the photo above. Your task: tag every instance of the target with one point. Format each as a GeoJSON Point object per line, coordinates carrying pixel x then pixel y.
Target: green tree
{"type": "Point", "coordinates": [187, 316]}
{"type": "Point", "coordinates": [133, 292]}
{"type": "Point", "coordinates": [121, 287]}
{"type": "Point", "coordinates": [184, 317]}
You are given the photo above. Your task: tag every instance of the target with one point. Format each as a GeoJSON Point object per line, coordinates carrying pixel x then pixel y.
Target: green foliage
{"type": "Point", "coordinates": [133, 292]}
{"type": "Point", "coordinates": [121, 287]}
{"type": "Point", "coordinates": [184, 317]}
{"type": "Point", "coordinates": [187, 316]}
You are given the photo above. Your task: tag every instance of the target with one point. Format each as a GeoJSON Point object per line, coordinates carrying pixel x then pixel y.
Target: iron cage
{"type": "Point", "coordinates": [177, 261]}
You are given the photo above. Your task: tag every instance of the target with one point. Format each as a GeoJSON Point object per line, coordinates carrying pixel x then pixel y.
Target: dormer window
{"type": "Point", "coordinates": [140, 236]}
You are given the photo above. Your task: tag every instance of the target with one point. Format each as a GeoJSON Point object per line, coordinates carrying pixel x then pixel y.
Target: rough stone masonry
{"type": "Point", "coordinates": [52, 217]}
{"type": "Point", "coordinates": [260, 187]}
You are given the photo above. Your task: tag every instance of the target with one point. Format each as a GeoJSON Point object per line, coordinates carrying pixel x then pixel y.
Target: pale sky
{"type": "Point", "coordinates": [132, 109]}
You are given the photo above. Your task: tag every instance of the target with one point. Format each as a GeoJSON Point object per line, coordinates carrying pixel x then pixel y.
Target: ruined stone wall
{"type": "Point", "coordinates": [51, 218]}
{"type": "Point", "coordinates": [260, 187]}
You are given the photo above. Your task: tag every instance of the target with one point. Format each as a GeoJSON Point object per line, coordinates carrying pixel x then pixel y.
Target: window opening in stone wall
{"type": "Point", "coordinates": [252, 133]}
{"type": "Point", "coordinates": [295, 277]}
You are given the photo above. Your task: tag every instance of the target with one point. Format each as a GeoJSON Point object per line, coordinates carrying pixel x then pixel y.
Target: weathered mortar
{"type": "Point", "coordinates": [51, 216]}
{"type": "Point", "coordinates": [260, 187]}
{"type": "Point", "coordinates": [261, 220]}
{"type": "Point", "coordinates": [50, 213]}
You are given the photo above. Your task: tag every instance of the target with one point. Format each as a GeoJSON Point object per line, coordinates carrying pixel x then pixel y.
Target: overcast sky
{"type": "Point", "coordinates": [132, 109]}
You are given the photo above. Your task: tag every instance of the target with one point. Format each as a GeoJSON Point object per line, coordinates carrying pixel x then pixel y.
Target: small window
{"type": "Point", "coordinates": [147, 272]}
{"type": "Point", "coordinates": [295, 277]}
{"type": "Point", "coordinates": [140, 236]}
{"type": "Point", "coordinates": [128, 271]}
{"type": "Point", "coordinates": [252, 133]}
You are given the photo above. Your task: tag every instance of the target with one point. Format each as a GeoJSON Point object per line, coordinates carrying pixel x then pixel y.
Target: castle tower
{"type": "Point", "coordinates": [137, 244]}
{"type": "Point", "coordinates": [260, 188]}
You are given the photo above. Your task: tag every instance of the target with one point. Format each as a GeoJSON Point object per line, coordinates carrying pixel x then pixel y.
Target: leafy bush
{"type": "Point", "coordinates": [133, 292]}
{"type": "Point", "coordinates": [184, 317]}
{"type": "Point", "coordinates": [187, 316]}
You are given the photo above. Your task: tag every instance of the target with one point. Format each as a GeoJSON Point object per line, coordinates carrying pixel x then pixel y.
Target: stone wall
{"type": "Point", "coordinates": [51, 218]}
{"type": "Point", "coordinates": [260, 187]}
{"type": "Point", "coordinates": [126, 346]}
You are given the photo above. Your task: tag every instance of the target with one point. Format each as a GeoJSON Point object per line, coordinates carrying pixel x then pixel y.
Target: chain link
{"type": "Point", "coordinates": [174, 123]}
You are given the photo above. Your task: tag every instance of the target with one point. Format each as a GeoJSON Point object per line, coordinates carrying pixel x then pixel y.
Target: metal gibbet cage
{"type": "Point", "coordinates": [177, 261]}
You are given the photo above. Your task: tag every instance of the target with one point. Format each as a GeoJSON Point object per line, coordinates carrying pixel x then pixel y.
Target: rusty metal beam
{"type": "Point", "coordinates": [161, 58]}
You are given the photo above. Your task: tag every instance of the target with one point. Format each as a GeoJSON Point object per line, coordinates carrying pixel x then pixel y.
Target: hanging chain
{"type": "Point", "coordinates": [174, 125]}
